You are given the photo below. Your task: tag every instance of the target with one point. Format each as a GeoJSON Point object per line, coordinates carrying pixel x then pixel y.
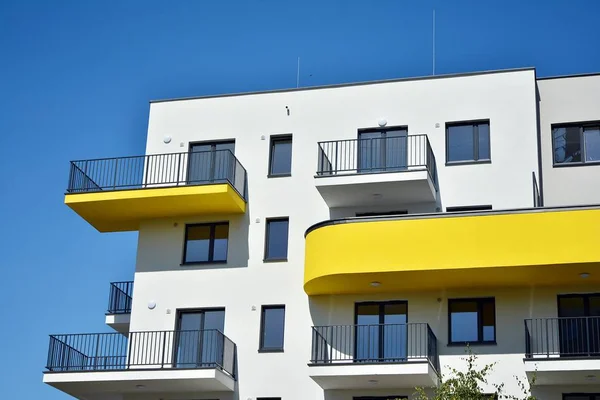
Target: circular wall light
{"type": "Point", "coordinates": [167, 139]}
{"type": "Point", "coordinates": [152, 305]}
{"type": "Point", "coordinates": [382, 122]}
{"type": "Point", "coordinates": [375, 284]}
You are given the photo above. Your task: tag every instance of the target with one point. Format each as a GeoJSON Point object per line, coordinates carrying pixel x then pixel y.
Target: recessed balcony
{"type": "Point", "coordinates": [563, 351]}
{"type": "Point", "coordinates": [118, 314]}
{"type": "Point", "coordinates": [382, 356]}
{"type": "Point", "coordinates": [85, 365]}
{"type": "Point", "coordinates": [453, 250]}
{"type": "Point", "coordinates": [377, 171]}
{"type": "Point", "coordinates": [116, 194]}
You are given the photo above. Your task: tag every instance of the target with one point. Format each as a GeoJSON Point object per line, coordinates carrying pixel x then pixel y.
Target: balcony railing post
{"type": "Point", "coordinates": [547, 339]}
{"type": "Point", "coordinates": [116, 173]}
{"type": "Point", "coordinates": [129, 346]}
{"type": "Point", "coordinates": [178, 179]}
{"type": "Point", "coordinates": [147, 162]}
{"type": "Point", "coordinates": [588, 331]}
{"type": "Point", "coordinates": [164, 345]}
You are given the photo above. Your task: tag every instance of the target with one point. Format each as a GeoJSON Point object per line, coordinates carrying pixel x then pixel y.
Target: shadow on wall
{"type": "Point", "coordinates": [432, 308]}
{"type": "Point", "coordinates": [161, 244]}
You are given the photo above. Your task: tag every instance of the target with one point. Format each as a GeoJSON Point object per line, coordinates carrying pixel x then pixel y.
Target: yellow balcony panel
{"type": "Point", "coordinates": [484, 249]}
{"type": "Point", "coordinates": [114, 211]}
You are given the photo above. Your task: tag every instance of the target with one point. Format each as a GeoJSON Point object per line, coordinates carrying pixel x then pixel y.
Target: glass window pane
{"type": "Point", "coordinates": [367, 332]}
{"type": "Point", "coordinates": [464, 321]}
{"type": "Point", "coordinates": [221, 242]}
{"type": "Point", "coordinates": [488, 320]}
{"type": "Point", "coordinates": [370, 145]}
{"type": "Point", "coordinates": [281, 156]}
{"type": "Point", "coordinates": [394, 313]}
{"type": "Point", "coordinates": [460, 143]}
{"type": "Point", "coordinates": [277, 239]}
{"type": "Point", "coordinates": [567, 146]}
{"type": "Point", "coordinates": [273, 328]}
{"type": "Point", "coordinates": [591, 137]}
{"type": "Point", "coordinates": [197, 243]}
{"type": "Point", "coordinates": [396, 146]}
{"type": "Point", "coordinates": [571, 306]}
{"type": "Point", "coordinates": [595, 307]}
{"type": "Point", "coordinates": [484, 141]}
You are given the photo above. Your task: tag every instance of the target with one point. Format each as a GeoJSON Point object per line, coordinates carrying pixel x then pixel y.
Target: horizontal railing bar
{"type": "Point", "coordinates": [157, 171]}
{"type": "Point", "coordinates": [366, 139]}
{"type": "Point", "coordinates": [177, 349]}
{"type": "Point", "coordinates": [149, 155]}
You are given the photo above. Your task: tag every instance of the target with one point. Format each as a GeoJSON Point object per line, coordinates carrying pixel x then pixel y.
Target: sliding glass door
{"type": "Point", "coordinates": [211, 162]}
{"type": "Point", "coordinates": [199, 338]}
{"type": "Point", "coordinates": [579, 324]}
{"type": "Point", "coordinates": [382, 150]}
{"type": "Point", "coordinates": [381, 332]}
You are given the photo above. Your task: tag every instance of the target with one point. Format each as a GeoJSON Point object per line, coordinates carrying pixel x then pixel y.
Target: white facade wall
{"type": "Point", "coordinates": [565, 100]}
{"type": "Point", "coordinates": [245, 282]}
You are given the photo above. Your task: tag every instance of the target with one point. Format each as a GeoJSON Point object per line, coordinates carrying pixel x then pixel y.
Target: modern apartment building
{"type": "Point", "coordinates": [346, 242]}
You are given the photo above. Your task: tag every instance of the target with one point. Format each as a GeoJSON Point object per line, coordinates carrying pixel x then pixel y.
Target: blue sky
{"type": "Point", "coordinates": [76, 78]}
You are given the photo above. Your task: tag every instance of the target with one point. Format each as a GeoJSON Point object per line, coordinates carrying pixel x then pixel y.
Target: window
{"type": "Point", "coordinates": [381, 213]}
{"type": "Point", "coordinates": [472, 321]}
{"type": "Point", "coordinates": [206, 243]}
{"type": "Point", "coordinates": [381, 398]}
{"type": "Point", "coordinates": [198, 337]}
{"type": "Point", "coordinates": [210, 162]}
{"type": "Point", "coordinates": [280, 158]}
{"type": "Point", "coordinates": [576, 143]}
{"type": "Point", "coordinates": [468, 208]}
{"type": "Point", "coordinates": [276, 240]}
{"type": "Point", "coordinates": [271, 328]}
{"type": "Point", "coordinates": [468, 142]}
{"type": "Point", "coordinates": [382, 149]}
{"type": "Point", "coordinates": [381, 333]}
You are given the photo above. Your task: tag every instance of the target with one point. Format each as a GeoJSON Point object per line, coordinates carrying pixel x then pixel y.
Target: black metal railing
{"type": "Point", "coordinates": [119, 298]}
{"type": "Point", "coordinates": [388, 154]}
{"type": "Point", "coordinates": [537, 198]}
{"type": "Point", "coordinates": [157, 170]}
{"type": "Point", "coordinates": [142, 350]}
{"type": "Point", "coordinates": [379, 343]}
{"type": "Point", "coordinates": [562, 337]}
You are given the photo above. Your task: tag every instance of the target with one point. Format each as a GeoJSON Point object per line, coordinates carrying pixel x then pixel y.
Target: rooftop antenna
{"type": "Point", "coordinates": [433, 39]}
{"type": "Point", "coordinates": [298, 75]}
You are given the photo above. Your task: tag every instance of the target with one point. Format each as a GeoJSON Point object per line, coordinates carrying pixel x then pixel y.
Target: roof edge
{"type": "Point", "coordinates": [338, 85]}
{"type": "Point", "coordinates": [569, 76]}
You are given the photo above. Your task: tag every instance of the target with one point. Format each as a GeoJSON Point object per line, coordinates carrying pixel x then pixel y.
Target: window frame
{"type": "Point", "coordinates": [382, 157]}
{"type": "Point", "coordinates": [590, 396]}
{"type": "Point", "coordinates": [211, 245]}
{"type": "Point", "coordinates": [479, 207]}
{"type": "Point", "coordinates": [475, 125]}
{"type": "Point", "coordinates": [581, 125]}
{"type": "Point", "coordinates": [261, 348]}
{"type": "Point", "coordinates": [267, 230]}
{"type": "Point", "coordinates": [272, 141]}
{"type": "Point", "coordinates": [480, 302]}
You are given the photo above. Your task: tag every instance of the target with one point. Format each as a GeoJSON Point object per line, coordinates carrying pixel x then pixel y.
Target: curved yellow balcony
{"type": "Point", "coordinates": [505, 248]}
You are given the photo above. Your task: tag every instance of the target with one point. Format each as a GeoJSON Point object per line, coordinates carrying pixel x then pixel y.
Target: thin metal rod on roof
{"type": "Point", "coordinates": [298, 74]}
{"type": "Point", "coordinates": [433, 40]}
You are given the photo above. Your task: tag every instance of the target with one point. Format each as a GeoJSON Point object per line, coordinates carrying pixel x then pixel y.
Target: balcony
{"type": "Point", "coordinates": [116, 194]}
{"type": "Point", "coordinates": [382, 171]}
{"type": "Point", "coordinates": [385, 356]}
{"type": "Point", "coordinates": [453, 250]}
{"type": "Point", "coordinates": [563, 351]}
{"type": "Point", "coordinates": [118, 314]}
{"type": "Point", "coordinates": [85, 365]}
